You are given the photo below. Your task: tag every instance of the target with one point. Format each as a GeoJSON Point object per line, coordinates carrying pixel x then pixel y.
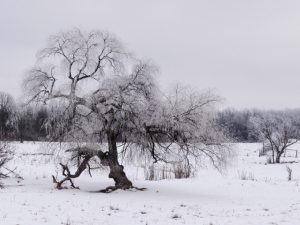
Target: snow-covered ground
{"type": "Point", "coordinates": [249, 192]}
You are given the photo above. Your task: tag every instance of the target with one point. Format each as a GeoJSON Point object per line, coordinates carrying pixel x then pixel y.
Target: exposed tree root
{"type": "Point", "coordinates": [140, 189]}
{"type": "Point", "coordinates": [109, 189]}
{"type": "Point", "coordinates": [114, 188]}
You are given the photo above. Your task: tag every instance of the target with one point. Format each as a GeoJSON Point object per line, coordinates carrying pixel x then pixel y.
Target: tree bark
{"type": "Point", "coordinates": [278, 156]}
{"type": "Point", "coordinates": [116, 170]}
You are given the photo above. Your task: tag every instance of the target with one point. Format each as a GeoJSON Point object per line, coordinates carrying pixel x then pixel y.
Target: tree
{"type": "Point", "coordinates": [97, 93]}
{"type": "Point", "coordinates": [277, 131]}
{"type": "Point", "coordinates": [7, 113]}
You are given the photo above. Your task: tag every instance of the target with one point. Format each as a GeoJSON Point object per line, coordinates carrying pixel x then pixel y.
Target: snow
{"type": "Point", "coordinates": [248, 192]}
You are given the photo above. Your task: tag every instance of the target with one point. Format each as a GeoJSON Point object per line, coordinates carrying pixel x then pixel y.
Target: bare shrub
{"type": "Point", "coordinates": [158, 172]}
{"type": "Point", "coordinates": [5, 156]}
{"type": "Point", "coordinates": [289, 171]}
{"type": "Point", "coordinates": [162, 171]}
{"type": "Point", "coordinates": [182, 170]}
{"type": "Point", "coordinates": [244, 175]}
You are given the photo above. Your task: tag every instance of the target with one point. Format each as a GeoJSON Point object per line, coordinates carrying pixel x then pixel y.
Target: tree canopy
{"type": "Point", "coordinates": [99, 93]}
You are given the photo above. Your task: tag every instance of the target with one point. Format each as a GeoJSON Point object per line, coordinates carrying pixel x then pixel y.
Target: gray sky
{"type": "Point", "coordinates": [247, 50]}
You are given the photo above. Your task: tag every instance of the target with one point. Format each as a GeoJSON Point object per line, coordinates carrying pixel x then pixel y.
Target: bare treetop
{"type": "Point", "coordinates": [72, 57]}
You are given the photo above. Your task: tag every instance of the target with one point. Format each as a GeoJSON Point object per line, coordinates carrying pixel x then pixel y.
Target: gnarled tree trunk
{"type": "Point", "coordinates": [116, 170]}
{"type": "Point", "coordinates": [109, 159]}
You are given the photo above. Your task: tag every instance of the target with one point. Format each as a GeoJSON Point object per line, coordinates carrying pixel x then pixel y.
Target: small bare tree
{"type": "Point", "coordinates": [277, 131]}
{"type": "Point", "coordinates": [99, 94]}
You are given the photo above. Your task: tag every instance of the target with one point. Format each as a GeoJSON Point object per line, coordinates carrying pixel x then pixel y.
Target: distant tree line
{"type": "Point", "coordinates": [242, 125]}
{"type": "Point", "coordinates": [27, 123]}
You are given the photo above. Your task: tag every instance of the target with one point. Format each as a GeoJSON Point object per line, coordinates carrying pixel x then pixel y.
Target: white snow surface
{"type": "Point", "coordinates": [247, 192]}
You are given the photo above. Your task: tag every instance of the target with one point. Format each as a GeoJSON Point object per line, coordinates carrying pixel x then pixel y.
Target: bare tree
{"type": "Point", "coordinates": [99, 94]}
{"type": "Point", "coordinates": [7, 114]}
{"type": "Point", "coordinates": [277, 131]}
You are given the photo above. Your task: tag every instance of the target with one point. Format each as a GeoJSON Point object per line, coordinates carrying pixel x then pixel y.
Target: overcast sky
{"type": "Point", "coordinates": [247, 50]}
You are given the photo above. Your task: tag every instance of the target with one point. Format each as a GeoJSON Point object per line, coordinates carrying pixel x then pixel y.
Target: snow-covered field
{"type": "Point", "coordinates": [248, 192]}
